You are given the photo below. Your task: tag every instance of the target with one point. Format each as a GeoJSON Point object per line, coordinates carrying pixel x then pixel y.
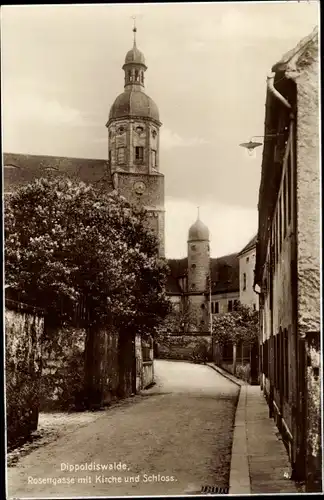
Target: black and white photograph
{"type": "Point", "coordinates": [162, 249]}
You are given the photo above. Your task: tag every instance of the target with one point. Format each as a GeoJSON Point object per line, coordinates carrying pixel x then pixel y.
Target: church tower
{"type": "Point", "coordinates": [133, 144]}
{"type": "Point", "coordinates": [198, 274]}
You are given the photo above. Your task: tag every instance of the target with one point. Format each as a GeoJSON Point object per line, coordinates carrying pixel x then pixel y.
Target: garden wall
{"type": "Point", "coordinates": [64, 376]}
{"type": "Point", "coordinates": [23, 332]}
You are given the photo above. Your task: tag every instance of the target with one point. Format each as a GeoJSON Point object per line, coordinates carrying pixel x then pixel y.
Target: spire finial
{"type": "Point", "coordinates": [134, 29]}
{"type": "Point", "coordinates": [198, 210]}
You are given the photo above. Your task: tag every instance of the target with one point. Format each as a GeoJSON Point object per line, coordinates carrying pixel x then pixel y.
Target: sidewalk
{"type": "Point", "coordinates": [259, 459]}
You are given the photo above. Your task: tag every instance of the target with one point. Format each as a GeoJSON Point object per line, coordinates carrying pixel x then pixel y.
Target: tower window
{"type": "Point", "coordinates": [230, 306]}
{"type": "Point", "coordinates": [121, 156]}
{"type": "Point", "coordinates": [193, 286]}
{"type": "Point", "coordinates": [110, 157]}
{"type": "Point", "coordinates": [129, 76]}
{"type": "Point", "coordinates": [193, 247]}
{"type": "Point", "coordinates": [153, 158]}
{"type": "Point", "coordinates": [139, 153]}
{"type": "Point", "coordinates": [136, 75]}
{"type": "Point", "coordinates": [142, 77]}
{"type": "Point", "coordinates": [247, 259]}
{"type": "Point", "coordinates": [193, 266]}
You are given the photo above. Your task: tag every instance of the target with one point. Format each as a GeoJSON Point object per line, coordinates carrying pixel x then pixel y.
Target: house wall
{"type": "Point", "coordinates": [290, 312]}
{"type": "Point", "coordinates": [308, 263]}
{"type": "Point", "coordinates": [248, 296]}
{"type": "Point", "coordinates": [223, 299]}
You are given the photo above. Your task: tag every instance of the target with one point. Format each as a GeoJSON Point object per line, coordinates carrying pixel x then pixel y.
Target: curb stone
{"type": "Point", "coordinates": [229, 376]}
{"type": "Point", "coordinates": [239, 482]}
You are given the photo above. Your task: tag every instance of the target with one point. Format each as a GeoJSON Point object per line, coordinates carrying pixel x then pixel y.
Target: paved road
{"type": "Point", "coordinates": [173, 440]}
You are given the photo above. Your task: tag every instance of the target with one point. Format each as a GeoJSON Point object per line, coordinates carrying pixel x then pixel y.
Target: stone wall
{"type": "Point", "coordinates": [64, 369]}
{"type": "Point", "coordinates": [23, 332]}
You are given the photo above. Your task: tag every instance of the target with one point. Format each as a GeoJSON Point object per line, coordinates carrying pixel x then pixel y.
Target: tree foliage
{"type": "Point", "coordinates": [240, 325]}
{"type": "Point", "coordinates": [65, 244]}
{"type": "Point", "coordinates": [180, 319]}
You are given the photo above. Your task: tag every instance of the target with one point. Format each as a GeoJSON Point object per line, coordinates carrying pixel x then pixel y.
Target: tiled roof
{"type": "Point", "coordinates": [250, 244]}
{"type": "Point", "coordinates": [20, 169]}
{"type": "Point", "coordinates": [224, 271]}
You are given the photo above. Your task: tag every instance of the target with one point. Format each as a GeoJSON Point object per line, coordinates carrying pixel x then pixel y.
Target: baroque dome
{"type": "Point", "coordinates": [135, 56]}
{"type": "Point", "coordinates": [134, 103]}
{"type": "Point", "coordinates": [198, 232]}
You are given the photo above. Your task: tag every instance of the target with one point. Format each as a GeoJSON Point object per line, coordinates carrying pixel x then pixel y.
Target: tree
{"type": "Point", "coordinates": [67, 244]}
{"type": "Point", "coordinates": [237, 326]}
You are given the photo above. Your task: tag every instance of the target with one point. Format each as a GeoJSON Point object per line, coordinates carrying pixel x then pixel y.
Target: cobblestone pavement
{"type": "Point", "coordinates": [173, 439]}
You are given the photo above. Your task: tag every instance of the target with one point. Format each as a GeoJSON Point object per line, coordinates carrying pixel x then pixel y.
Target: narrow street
{"type": "Point", "coordinates": [173, 440]}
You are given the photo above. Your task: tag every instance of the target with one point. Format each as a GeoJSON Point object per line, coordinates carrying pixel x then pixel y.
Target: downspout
{"type": "Point", "coordinates": [275, 92]}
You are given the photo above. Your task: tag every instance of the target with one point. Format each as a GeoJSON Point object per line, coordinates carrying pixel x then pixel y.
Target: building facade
{"type": "Point", "coordinates": [288, 258]}
{"type": "Point", "coordinates": [248, 296]}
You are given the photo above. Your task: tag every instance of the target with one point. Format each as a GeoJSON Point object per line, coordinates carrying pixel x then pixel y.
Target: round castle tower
{"type": "Point", "coordinates": [198, 274]}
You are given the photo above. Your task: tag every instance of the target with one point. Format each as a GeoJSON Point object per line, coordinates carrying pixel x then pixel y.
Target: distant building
{"type": "Point", "coordinates": [205, 285]}
{"type": "Point", "coordinates": [288, 258]}
{"type": "Point", "coordinates": [248, 296]}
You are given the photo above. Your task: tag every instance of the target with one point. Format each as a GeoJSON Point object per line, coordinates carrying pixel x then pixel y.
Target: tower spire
{"type": "Point", "coordinates": [134, 30]}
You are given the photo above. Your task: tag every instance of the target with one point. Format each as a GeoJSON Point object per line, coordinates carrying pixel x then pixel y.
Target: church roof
{"type": "Point", "coordinates": [198, 232]}
{"type": "Point", "coordinates": [21, 169]}
{"type": "Point", "coordinates": [224, 273]}
{"type": "Point", "coordinates": [134, 103]}
{"type": "Point", "coordinates": [250, 245]}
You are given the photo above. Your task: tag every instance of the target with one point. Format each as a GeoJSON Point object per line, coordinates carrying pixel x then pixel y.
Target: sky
{"type": "Point", "coordinates": [207, 68]}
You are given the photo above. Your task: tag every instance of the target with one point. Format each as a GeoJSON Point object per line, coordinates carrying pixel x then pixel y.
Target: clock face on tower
{"type": "Point", "coordinates": [139, 187]}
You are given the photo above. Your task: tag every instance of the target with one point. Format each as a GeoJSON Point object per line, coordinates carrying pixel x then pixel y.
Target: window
{"type": "Point", "coordinates": [193, 266]}
{"type": "Point", "coordinates": [153, 158]}
{"type": "Point", "coordinates": [121, 155]}
{"type": "Point", "coordinates": [244, 281]}
{"type": "Point", "coordinates": [193, 286]}
{"type": "Point", "coordinates": [136, 75]}
{"type": "Point", "coordinates": [193, 247]}
{"type": "Point", "coordinates": [109, 157]}
{"type": "Point", "coordinates": [142, 77]}
{"type": "Point", "coordinates": [254, 307]}
{"type": "Point", "coordinates": [139, 153]}
{"type": "Point", "coordinates": [236, 304]}
{"type": "Point", "coordinates": [230, 306]}
{"type": "Point", "coordinates": [247, 259]}
{"type": "Point", "coordinates": [214, 307]}
{"type": "Point", "coordinates": [203, 306]}
{"type": "Point", "coordinates": [129, 76]}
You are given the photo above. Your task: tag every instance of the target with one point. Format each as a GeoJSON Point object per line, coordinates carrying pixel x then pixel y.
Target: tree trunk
{"type": "Point", "coordinates": [126, 360]}
{"type": "Point", "coordinates": [92, 379]}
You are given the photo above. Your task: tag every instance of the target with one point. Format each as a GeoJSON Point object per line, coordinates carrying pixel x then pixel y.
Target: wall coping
{"type": "Point", "coordinates": [22, 307]}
